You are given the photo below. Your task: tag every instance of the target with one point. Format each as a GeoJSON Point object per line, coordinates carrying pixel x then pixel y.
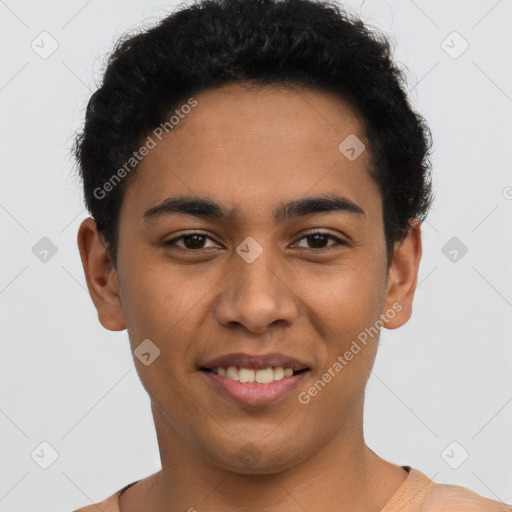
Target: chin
{"type": "Point", "coordinates": [265, 466]}
{"type": "Point", "coordinates": [259, 458]}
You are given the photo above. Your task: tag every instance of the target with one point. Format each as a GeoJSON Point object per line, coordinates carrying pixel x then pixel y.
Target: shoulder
{"type": "Point", "coordinates": [454, 498]}
{"type": "Point", "coordinates": [110, 504]}
{"type": "Point", "coordinates": [107, 505]}
{"type": "Point", "coordinates": [436, 497]}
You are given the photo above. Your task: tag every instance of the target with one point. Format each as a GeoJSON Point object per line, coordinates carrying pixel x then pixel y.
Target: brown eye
{"type": "Point", "coordinates": [318, 240]}
{"type": "Point", "coordinates": [193, 241]}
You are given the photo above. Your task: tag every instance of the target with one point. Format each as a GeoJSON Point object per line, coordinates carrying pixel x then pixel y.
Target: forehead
{"type": "Point", "coordinates": [241, 116]}
{"type": "Point", "coordinates": [241, 142]}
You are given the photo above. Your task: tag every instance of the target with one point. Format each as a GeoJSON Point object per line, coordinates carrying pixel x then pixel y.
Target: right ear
{"type": "Point", "coordinates": [101, 276]}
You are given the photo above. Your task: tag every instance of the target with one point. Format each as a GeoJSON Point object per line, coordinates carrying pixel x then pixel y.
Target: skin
{"type": "Point", "coordinates": [252, 148]}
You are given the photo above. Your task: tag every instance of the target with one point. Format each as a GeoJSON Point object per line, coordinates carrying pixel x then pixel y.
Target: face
{"type": "Point", "coordinates": [263, 277]}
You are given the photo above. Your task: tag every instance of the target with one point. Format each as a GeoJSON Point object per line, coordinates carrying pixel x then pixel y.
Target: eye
{"type": "Point", "coordinates": [196, 241]}
{"type": "Point", "coordinates": [191, 241]}
{"type": "Point", "coordinates": [318, 239]}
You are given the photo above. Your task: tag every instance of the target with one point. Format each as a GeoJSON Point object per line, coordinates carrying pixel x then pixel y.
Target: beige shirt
{"type": "Point", "coordinates": [418, 493]}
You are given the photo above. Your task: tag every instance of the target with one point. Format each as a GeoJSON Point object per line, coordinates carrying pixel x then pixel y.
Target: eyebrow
{"type": "Point", "coordinates": [206, 208]}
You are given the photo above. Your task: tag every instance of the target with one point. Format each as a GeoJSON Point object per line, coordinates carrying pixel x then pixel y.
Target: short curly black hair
{"type": "Point", "coordinates": [211, 43]}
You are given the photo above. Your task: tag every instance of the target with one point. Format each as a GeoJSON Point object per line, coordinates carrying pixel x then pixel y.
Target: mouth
{"type": "Point", "coordinates": [254, 376]}
{"type": "Point", "coordinates": [254, 380]}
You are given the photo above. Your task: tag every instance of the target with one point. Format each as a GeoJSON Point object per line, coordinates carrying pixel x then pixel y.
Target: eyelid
{"type": "Point", "coordinates": [319, 231]}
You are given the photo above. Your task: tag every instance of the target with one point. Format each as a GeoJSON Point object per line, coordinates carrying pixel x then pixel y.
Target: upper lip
{"type": "Point", "coordinates": [256, 362]}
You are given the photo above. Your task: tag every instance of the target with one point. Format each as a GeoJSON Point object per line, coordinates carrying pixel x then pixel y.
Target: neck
{"type": "Point", "coordinates": [345, 475]}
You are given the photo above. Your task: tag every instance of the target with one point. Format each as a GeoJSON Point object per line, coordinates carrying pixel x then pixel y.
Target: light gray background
{"type": "Point", "coordinates": [444, 377]}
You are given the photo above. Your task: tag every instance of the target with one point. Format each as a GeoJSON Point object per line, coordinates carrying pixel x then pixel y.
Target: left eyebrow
{"type": "Point", "coordinates": [319, 204]}
{"type": "Point", "coordinates": [206, 208]}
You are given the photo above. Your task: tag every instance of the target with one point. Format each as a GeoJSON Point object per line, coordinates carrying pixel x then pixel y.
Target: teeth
{"type": "Point", "coordinates": [249, 375]}
{"type": "Point", "coordinates": [246, 375]}
{"type": "Point", "coordinates": [232, 372]}
{"type": "Point", "coordinates": [279, 373]}
{"type": "Point", "coordinates": [264, 376]}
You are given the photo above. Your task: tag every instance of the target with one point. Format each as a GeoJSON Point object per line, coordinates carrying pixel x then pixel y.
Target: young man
{"type": "Point", "coordinates": [256, 179]}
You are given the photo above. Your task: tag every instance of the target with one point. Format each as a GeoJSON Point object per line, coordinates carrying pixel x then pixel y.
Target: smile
{"type": "Point", "coordinates": [250, 375]}
{"type": "Point", "coordinates": [251, 392]}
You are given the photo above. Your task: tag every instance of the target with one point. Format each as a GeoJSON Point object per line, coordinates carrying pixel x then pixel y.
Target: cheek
{"type": "Point", "coordinates": [160, 309]}
{"type": "Point", "coordinates": [157, 296]}
{"type": "Point", "coordinates": [346, 307]}
{"type": "Point", "coordinates": [348, 346]}
{"type": "Point", "coordinates": [165, 305]}
{"type": "Point", "coordinates": [345, 300]}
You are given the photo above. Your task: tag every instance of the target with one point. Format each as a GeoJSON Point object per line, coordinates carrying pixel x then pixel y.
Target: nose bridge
{"type": "Point", "coordinates": [256, 270]}
{"type": "Point", "coordinates": [256, 293]}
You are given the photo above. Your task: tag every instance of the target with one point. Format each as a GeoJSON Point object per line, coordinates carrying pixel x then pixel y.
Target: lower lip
{"type": "Point", "coordinates": [255, 394]}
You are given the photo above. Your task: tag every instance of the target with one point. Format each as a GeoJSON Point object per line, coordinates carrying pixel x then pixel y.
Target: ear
{"type": "Point", "coordinates": [402, 278]}
{"type": "Point", "coordinates": [101, 276]}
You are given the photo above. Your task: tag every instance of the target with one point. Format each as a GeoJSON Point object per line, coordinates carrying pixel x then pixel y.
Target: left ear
{"type": "Point", "coordinates": [402, 278]}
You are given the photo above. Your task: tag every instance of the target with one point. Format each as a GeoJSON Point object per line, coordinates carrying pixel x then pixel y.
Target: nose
{"type": "Point", "coordinates": [256, 295]}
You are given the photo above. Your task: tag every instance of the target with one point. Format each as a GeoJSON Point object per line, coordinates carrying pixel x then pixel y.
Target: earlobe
{"type": "Point", "coordinates": [101, 276]}
{"type": "Point", "coordinates": [402, 278]}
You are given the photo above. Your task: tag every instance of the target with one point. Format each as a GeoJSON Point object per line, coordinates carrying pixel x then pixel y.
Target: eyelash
{"type": "Point", "coordinates": [338, 241]}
